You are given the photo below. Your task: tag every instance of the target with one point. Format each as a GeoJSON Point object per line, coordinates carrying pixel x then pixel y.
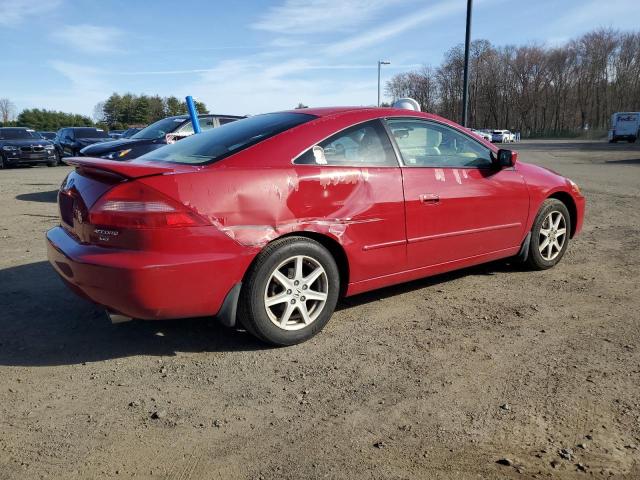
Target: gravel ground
{"type": "Point", "coordinates": [490, 372]}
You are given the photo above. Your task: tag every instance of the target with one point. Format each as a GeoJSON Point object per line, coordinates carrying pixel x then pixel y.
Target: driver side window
{"type": "Point", "coordinates": [429, 144]}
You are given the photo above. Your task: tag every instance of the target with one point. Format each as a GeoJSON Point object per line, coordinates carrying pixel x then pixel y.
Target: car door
{"type": "Point", "coordinates": [352, 180]}
{"type": "Point", "coordinates": [58, 141]}
{"type": "Point", "coordinates": [67, 142]}
{"type": "Point", "coordinates": [458, 206]}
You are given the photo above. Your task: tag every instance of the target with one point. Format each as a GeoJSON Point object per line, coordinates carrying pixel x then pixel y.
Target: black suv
{"type": "Point", "coordinates": [23, 146]}
{"type": "Point", "coordinates": [154, 136]}
{"type": "Point", "coordinates": [71, 140]}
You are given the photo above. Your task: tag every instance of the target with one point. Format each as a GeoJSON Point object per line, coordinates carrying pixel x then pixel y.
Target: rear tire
{"type": "Point", "coordinates": [3, 165]}
{"type": "Point", "coordinates": [549, 235]}
{"type": "Point", "coordinates": [290, 291]}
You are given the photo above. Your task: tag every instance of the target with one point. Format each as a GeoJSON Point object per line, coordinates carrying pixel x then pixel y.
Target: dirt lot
{"type": "Point", "coordinates": [438, 378]}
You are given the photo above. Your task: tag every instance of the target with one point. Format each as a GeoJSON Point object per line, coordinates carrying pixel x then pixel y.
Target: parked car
{"type": "Point", "coordinates": [502, 136]}
{"type": "Point", "coordinates": [268, 220]}
{"type": "Point", "coordinates": [482, 134]}
{"type": "Point", "coordinates": [624, 126]}
{"type": "Point", "coordinates": [154, 136]}
{"type": "Point", "coordinates": [23, 146]}
{"type": "Point", "coordinates": [115, 134]}
{"type": "Point", "coordinates": [71, 140]}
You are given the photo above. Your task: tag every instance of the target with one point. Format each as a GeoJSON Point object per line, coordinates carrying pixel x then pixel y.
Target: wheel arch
{"type": "Point", "coordinates": [334, 247]}
{"type": "Point", "coordinates": [568, 201]}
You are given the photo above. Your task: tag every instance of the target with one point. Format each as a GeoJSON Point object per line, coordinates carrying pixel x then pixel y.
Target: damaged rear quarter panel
{"type": "Point", "coordinates": [259, 195]}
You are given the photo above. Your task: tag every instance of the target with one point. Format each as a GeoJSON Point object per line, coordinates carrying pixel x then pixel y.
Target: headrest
{"type": "Point", "coordinates": [434, 138]}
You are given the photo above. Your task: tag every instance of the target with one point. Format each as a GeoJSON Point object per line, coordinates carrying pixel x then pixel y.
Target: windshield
{"type": "Point", "coordinates": [228, 139]}
{"type": "Point", "coordinates": [17, 134]}
{"type": "Point", "coordinates": [160, 128]}
{"type": "Point", "coordinates": [128, 133]}
{"type": "Point", "coordinates": [89, 133]}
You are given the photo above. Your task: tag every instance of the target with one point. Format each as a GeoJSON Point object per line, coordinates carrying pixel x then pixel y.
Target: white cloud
{"type": "Point", "coordinates": [319, 16]}
{"type": "Point", "coordinates": [292, 66]}
{"type": "Point", "coordinates": [396, 27]}
{"type": "Point", "coordinates": [86, 87]}
{"type": "Point", "coordinates": [262, 83]}
{"type": "Point", "coordinates": [89, 38]}
{"type": "Point", "coordinates": [13, 12]}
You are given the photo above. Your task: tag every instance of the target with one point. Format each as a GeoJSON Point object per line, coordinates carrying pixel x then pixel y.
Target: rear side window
{"type": "Point", "coordinates": [362, 145]}
{"type": "Point", "coordinates": [206, 123]}
{"type": "Point", "coordinates": [218, 143]}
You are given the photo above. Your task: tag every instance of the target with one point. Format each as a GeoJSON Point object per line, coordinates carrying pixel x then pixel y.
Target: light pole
{"type": "Point", "coordinates": [465, 88]}
{"type": "Point", "coordinates": [380, 63]}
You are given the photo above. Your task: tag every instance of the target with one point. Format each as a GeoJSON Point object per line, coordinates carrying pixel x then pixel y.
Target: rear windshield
{"type": "Point", "coordinates": [89, 133]}
{"type": "Point", "coordinates": [17, 134]}
{"type": "Point", "coordinates": [228, 139]}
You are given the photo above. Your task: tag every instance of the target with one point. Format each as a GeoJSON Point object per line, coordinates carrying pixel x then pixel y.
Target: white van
{"type": "Point", "coordinates": [624, 126]}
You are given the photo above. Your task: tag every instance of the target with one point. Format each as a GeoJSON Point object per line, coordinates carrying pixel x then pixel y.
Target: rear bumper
{"type": "Point", "coordinates": [145, 285]}
{"type": "Point", "coordinates": [624, 137]}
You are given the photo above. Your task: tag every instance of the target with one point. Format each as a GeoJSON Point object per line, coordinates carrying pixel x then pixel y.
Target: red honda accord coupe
{"type": "Point", "coordinates": [267, 221]}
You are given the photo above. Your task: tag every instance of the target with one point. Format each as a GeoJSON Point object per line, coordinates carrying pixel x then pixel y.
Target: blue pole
{"type": "Point", "coordinates": [193, 113]}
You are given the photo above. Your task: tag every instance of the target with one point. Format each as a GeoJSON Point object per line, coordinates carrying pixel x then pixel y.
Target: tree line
{"type": "Point", "coordinates": [541, 91]}
{"type": "Point", "coordinates": [40, 119]}
{"type": "Point", "coordinates": [116, 112]}
{"type": "Point", "coordinates": [121, 111]}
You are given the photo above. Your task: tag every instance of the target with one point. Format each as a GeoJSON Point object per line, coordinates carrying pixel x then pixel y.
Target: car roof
{"type": "Point", "coordinates": [367, 113]}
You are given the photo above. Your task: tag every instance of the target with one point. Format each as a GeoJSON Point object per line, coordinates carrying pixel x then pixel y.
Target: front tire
{"type": "Point", "coordinates": [549, 235]}
{"type": "Point", "coordinates": [290, 291]}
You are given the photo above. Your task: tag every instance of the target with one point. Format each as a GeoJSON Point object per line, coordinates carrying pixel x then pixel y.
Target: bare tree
{"type": "Point", "coordinates": [98, 112]}
{"type": "Point", "coordinates": [541, 91]}
{"type": "Point", "coordinates": [7, 110]}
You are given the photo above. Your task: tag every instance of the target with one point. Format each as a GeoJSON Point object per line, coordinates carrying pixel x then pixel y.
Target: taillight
{"type": "Point", "coordinates": [134, 205]}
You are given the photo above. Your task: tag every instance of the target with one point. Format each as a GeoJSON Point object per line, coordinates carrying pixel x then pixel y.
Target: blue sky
{"type": "Point", "coordinates": [252, 56]}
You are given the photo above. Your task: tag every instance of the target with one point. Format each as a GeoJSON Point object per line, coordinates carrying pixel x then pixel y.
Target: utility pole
{"type": "Point", "coordinates": [465, 91]}
{"type": "Point", "coordinates": [380, 63]}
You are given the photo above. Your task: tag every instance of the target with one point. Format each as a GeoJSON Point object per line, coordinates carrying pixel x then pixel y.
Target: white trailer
{"type": "Point", "coordinates": [624, 126]}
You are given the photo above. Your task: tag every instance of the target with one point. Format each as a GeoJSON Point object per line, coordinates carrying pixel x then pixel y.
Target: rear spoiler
{"type": "Point", "coordinates": [126, 170]}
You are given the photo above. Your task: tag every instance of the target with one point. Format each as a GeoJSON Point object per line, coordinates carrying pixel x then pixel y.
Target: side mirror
{"type": "Point", "coordinates": [505, 158]}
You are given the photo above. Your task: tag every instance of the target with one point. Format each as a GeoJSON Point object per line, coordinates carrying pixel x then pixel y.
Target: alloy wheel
{"type": "Point", "coordinates": [296, 292]}
{"type": "Point", "coordinates": [553, 234]}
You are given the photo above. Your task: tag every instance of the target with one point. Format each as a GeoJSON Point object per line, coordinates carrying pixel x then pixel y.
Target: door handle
{"type": "Point", "coordinates": [429, 198]}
